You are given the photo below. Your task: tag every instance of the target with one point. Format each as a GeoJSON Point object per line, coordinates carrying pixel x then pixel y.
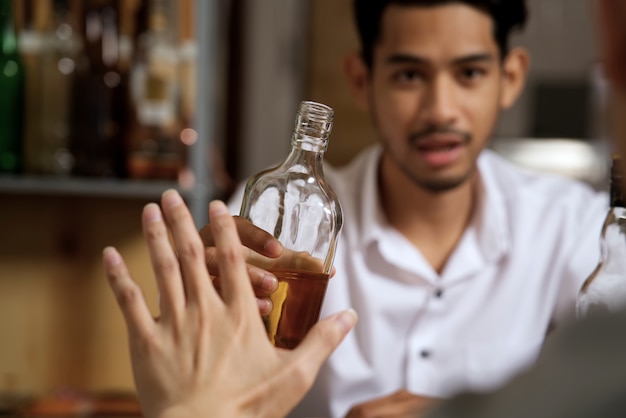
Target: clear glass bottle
{"type": "Point", "coordinates": [57, 62]}
{"type": "Point", "coordinates": [605, 289]}
{"type": "Point", "coordinates": [11, 93]}
{"type": "Point", "coordinates": [295, 204]}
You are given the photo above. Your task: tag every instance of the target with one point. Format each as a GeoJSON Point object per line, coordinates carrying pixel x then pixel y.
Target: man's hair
{"type": "Point", "coordinates": [506, 15]}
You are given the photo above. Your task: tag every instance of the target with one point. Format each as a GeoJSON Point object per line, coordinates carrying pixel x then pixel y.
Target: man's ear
{"type": "Point", "coordinates": [357, 74]}
{"type": "Point", "coordinates": [515, 69]}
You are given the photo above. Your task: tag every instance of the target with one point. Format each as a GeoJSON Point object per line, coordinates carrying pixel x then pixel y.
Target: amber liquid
{"type": "Point", "coordinates": [297, 304]}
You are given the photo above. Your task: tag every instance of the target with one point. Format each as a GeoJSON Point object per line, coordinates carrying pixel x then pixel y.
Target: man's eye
{"type": "Point", "coordinates": [408, 76]}
{"type": "Point", "coordinates": [472, 73]}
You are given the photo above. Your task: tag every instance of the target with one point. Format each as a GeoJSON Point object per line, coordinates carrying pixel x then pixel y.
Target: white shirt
{"type": "Point", "coordinates": [515, 271]}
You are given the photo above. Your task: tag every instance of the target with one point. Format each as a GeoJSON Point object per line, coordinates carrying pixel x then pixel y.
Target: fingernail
{"type": "Point", "coordinates": [346, 320]}
{"type": "Point", "coordinates": [217, 207]}
{"type": "Point", "coordinates": [152, 213]}
{"type": "Point", "coordinates": [111, 256]}
{"type": "Point", "coordinates": [273, 247]}
{"type": "Point", "coordinates": [171, 198]}
{"type": "Point", "coordinates": [269, 283]}
{"type": "Point", "coordinates": [265, 306]}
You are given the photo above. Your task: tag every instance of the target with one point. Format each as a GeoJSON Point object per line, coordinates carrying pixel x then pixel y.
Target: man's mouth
{"type": "Point", "coordinates": [440, 150]}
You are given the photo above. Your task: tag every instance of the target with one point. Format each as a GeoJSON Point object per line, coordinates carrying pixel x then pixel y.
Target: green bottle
{"type": "Point", "coordinates": [11, 93]}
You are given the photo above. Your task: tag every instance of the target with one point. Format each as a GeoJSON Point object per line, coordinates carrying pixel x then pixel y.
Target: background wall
{"type": "Point", "coordinates": [59, 322]}
{"type": "Point", "coordinates": [559, 36]}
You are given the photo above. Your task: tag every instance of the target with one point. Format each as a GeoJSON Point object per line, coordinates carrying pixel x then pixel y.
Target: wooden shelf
{"type": "Point", "coordinates": [116, 188]}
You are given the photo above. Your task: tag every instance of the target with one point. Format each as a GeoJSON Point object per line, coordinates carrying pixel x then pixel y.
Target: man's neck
{"type": "Point", "coordinates": [433, 221]}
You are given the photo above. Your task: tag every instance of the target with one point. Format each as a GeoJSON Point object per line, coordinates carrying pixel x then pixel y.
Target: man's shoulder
{"type": "Point", "coordinates": [356, 166]}
{"type": "Point", "coordinates": [513, 182]}
{"type": "Point", "coordinates": [349, 180]}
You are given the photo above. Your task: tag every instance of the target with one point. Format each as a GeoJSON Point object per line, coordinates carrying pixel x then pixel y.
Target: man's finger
{"type": "Point", "coordinates": [251, 236]}
{"type": "Point", "coordinates": [263, 282]}
{"type": "Point", "coordinates": [189, 249]}
{"type": "Point", "coordinates": [164, 261]}
{"type": "Point", "coordinates": [235, 283]}
{"type": "Point", "coordinates": [128, 295]}
{"type": "Point", "coordinates": [264, 303]}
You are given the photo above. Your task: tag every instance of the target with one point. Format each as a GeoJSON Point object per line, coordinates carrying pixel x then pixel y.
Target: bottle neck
{"type": "Point", "coordinates": [8, 39]}
{"type": "Point", "coordinates": [305, 156]}
{"type": "Point", "coordinates": [613, 240]}
{"type": "Point", "coordinates": [617, 195]}
{"type": "Point", "coordinates": [313, 126]}
{"type": "Point", "coordinates": [304, 141]}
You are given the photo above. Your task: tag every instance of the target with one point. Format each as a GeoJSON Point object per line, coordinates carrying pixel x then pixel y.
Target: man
{"type": "Point", "coordinates": [458, 263]}
{"type": "Point", "coordinates": [560, 385]}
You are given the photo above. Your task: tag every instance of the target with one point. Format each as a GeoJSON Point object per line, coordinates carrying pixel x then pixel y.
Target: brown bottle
{"type": "Point", "coordinates": [99, 95]}
{"type": "Point", "coordinates": [156, 150]}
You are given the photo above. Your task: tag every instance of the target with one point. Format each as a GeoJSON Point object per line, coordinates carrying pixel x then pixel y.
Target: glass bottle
{"type": "Point", "coordinates": [99, 95]}
{"type": "Point", "coordinates": [605, 289]}
{"type": "Point", "coordinates": [11, 93]}
{"type": "Point", "coordinates": [56, 70]}
{"type": "Point", "coordinates": [155, 146]}
{"type": "Point", "coordinates": [295, 204]}
{"type": "Point", "coordinates": [31, 45]}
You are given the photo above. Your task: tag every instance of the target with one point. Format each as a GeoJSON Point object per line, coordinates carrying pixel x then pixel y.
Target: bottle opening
{"type": "Point", "coordinates": [316, 112]}
{"type": "Point", "coordinates": [314, 123]}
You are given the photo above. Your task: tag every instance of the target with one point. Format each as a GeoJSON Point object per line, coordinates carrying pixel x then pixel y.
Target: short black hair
{"type": "Point", "coordinates": [506, 15]}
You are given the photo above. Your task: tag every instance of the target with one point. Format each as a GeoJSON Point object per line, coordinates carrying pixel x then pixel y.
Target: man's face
{"type": "Point", "coordinates": [435, 90]}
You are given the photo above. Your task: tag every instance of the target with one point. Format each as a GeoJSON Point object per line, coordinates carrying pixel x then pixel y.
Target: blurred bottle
{"type": "Point", "coordinates": [99, 98]}
{"type": "Point", "coordinates": [295, 204]}
{"type": "Point", "coordinates": [56, 68]}
{"type": "Point", "coordinates": [155, 146]}
{"type": "Point", "coordinates": [12, 93]}
{"type": "Point", "coordinates": [188, 51]}
{"type": "Point", "coordinates": [31, 42]}
{"type": "Point", "coordinates": [605, 289]}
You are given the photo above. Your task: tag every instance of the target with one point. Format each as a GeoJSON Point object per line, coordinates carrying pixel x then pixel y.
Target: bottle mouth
{"type": "Point", "coordinates": [314, 120]}
{"type": "Point", "coordinates": [316, 112]}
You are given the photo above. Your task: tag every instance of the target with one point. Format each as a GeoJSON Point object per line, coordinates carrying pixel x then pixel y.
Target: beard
{"type": "Point", "coordinates": [432, 184]}
{"type": "Point", "coordinates": [436, 186]}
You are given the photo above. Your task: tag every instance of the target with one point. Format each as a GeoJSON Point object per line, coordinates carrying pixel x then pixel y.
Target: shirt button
{"type": "Point", "coordinates": [438, 293]}
{"type": "Point", "coordinates": [425, 354]}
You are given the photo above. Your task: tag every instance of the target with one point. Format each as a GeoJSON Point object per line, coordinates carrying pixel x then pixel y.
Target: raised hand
{"type": "Point", "coordinates": [208, 354]}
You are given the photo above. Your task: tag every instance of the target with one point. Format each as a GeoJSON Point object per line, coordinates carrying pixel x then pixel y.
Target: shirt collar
{"type": "Point", "coordinates": [490, 221]}
{"type": "Point", "coordinates": [491, 216]}
{"type": "Point", "coordinates": [373, 219]}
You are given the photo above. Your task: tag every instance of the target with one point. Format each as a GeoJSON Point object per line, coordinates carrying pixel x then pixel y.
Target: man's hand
{"type": "Point", "coordinates": [263, 254]}
{"type": "Point", "coordinates": [401, 404]}
{"type": "Point", "coordinates": [208, 354]}
{"type": "Point", "coordinates": [258, 249]}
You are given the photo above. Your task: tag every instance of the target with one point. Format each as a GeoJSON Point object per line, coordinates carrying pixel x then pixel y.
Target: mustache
{"type": "Point", "coordinates": [434, 130]}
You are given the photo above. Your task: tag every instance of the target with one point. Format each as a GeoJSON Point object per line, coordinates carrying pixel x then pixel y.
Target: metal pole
{"type": "Point", "coordinates": [206, 28]}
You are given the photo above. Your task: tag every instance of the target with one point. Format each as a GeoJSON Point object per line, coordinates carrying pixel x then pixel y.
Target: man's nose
{"type": "Point", "coordinates": [440, 106]}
